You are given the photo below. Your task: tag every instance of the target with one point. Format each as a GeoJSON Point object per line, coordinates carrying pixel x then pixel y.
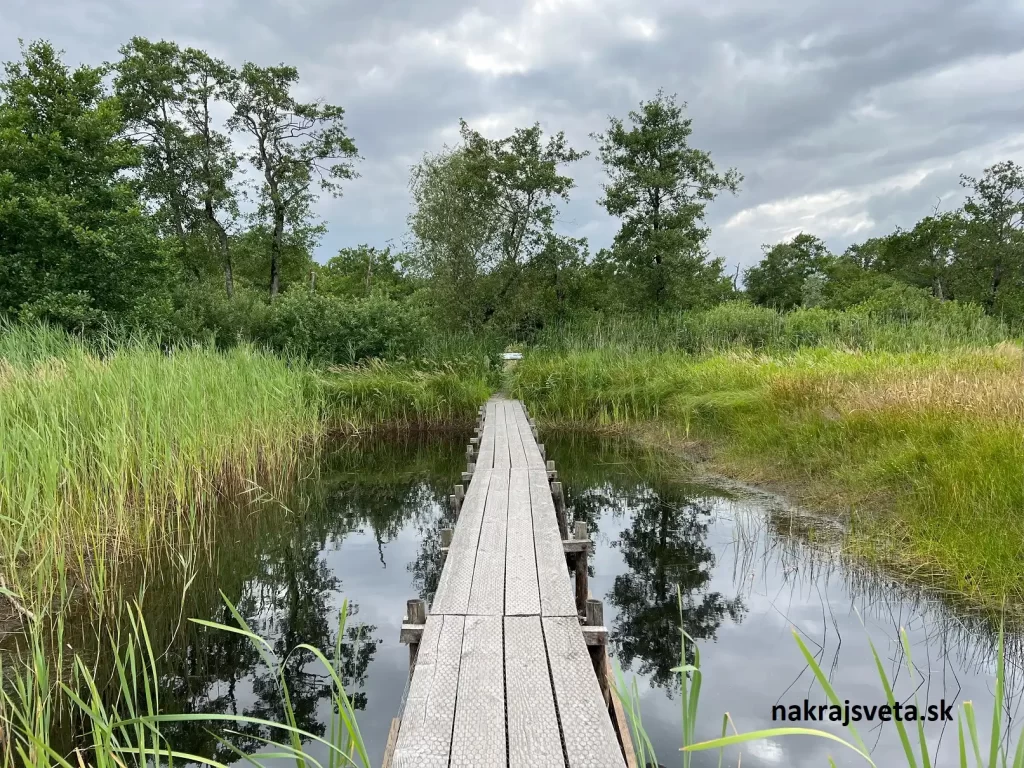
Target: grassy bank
{"type": "Point", "coordinates": [923, 448]}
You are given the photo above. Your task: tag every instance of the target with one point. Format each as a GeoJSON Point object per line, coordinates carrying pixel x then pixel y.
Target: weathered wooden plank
{"type": "Point", "coordinates": [389, 749]}
{"type": "Point", "coordinates": [501, 455]}
{"type": "Point", "coordinates": [533, 458]}
{"type": "Point", "coordinates": [522, 595]}
{"type": "Point", "coordinates": [485, 457]}
{"type": "Point", "coordinates": [533, 737]}
{"type": "Point", "coordinates": [516, 449]}
{"type": "Point", "coordinates": [556, 597]}
{"type": "Point", "coordinates": [587, 730]}
{"type": "Point", "coordinates": [425, 736]}
{"type": "Point", "coordinates": [479, 736]}
{"type": "Point", "coordinates": [487, 596]}
{"type": "Point", "coordinates": [456, 581]}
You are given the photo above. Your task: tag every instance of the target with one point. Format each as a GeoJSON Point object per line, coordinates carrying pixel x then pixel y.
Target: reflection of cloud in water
{"type": "Point", "coordinates": [779, 572]}
{"type": "Point", "coordinates": [767, 751]}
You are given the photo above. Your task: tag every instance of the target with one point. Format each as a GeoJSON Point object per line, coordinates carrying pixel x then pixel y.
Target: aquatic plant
{"type": "Point", "coordinates": [123, 726]}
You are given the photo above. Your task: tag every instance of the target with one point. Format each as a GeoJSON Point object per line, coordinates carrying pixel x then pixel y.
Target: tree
{"type": "Point", "coordinates": [168, 95]}
{"type": "Point", "coordinates": [209, 80]}
{"type": "Point", "coordinates": [149, 82]}
{"type": "Point", "coordinates": [295, 145]}
{"type": "Point", "coordinates": [75, 245]}
{"type": "Point", "coordinates": [362, 271]}
{"type": "Point", "coordinates": [484, 221]}
{"type": "Point", "coordinates": [660, 187]}
{"type": "Point", "coordinates": [778, 280]}
{"type": "Point", "coordinates": [994, 214]}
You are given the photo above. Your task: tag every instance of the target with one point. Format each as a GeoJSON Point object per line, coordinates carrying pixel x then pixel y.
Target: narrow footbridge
{"type": "Point", "coordinates": [508, 667]}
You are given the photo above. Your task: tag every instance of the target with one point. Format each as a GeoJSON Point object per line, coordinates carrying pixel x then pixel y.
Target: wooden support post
{"type": "Point", "coordinates": [466, 477]}
{"type": "Point", "coordinates": [412, 628]}
{"type": "Point", "coordinates": [595, 619]}
{"type": "Point", "coordinates": [460, 494]}
{"type": "Point", "coordinates": [552, 472]}
{"type": "Point", "coordinates": [446, 542]}
{"type": "Point", "coordinates": [559, 499]}
{"type": "Point", "coordinates": [470, 469]}
{"type": "Point", "coordinates": [474, 441]}
{"type": "Point", "coordinates": [540, 447]}
{"type": "Point", "coordinates": [580, 566]}
{"type": "Point", "coordinates": [453, 505]}
{"type": "Point", "coordinates": [470, 453]}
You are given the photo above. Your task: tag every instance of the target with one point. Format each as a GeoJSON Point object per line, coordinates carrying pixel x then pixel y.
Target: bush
{"type": "Point", "coordinates": [326, 330]}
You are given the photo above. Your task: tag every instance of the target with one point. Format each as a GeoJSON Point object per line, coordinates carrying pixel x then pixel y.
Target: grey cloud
{"type": "Point", "coordinates": [805, 98]}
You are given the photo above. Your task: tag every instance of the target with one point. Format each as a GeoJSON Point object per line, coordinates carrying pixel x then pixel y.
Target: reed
{"type": "Point", "coordinates": [105, 456]}
{"type": "Point", "coordinates": [378, 394]}
{"type": "Point", "coordinates": [122, 724]}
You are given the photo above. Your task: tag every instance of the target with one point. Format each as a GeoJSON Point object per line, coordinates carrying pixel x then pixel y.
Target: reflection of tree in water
{"type": "Point", "coordinates": [665, 547]}
{"type": "Point", "coordinates": [289, 602]}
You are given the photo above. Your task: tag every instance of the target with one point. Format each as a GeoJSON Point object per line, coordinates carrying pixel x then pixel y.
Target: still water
{"type": "Point", "coordinates": [365, 527]}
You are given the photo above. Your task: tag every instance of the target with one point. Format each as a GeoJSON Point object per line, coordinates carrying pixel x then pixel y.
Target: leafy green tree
{"type": "Point", "coordinates": [778, 280]}
{"type": "Point", "coordinates": [149, 82]}
{"type": "Point", "coordinates": [660, 187]}
{"type": "Point", "coordinates": [484, 226]}
{"type": "Point", "coordinates": [994, 236]}
{"type": "Point", "coordinates": [362, 271]}
{"type": "Point", "coordinates": [845, 283]}
{"type": "Point", "coordinates": [168, 96]}
{"type": "Point", "coordinates": [75, 244]}
{"type": "Point", "coordinates": [294, 145]}
{"type": "Point", "coordinates": [209, 80]}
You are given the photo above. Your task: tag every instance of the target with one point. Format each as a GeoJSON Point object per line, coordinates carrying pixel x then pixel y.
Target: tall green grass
{"type": "Point", "coordinates": [378, 394]}
{"type": "Point", "coordinates": [920, 451]}
{"type": "Point", "coordinates": [113, 455]}
{"type": "Point", "coordinates": [122, 724]}
{"type": "Point", "coordinates": [897, 323]}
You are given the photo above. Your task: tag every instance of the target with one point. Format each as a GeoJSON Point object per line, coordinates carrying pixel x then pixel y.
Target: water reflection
{"type": "Point", "coordinates": [362, 525]}
{"type": "Point", "coordinates": [750, 574]}
{"type": "Point", "coordinates": [365, 525]}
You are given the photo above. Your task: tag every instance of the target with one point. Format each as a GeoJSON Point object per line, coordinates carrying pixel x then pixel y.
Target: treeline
{"type": "Point", "coordinates": [170, 192]}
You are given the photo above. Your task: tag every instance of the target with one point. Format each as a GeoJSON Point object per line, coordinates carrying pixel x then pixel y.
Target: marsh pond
{"type": "Point", "coordinates": [363, 525]}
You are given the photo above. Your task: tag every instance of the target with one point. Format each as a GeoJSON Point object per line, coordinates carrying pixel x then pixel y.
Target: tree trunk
{"type": "Point", "coordinates": [276, 249]}
{"type": "Point", "coordinates": [224, 246]}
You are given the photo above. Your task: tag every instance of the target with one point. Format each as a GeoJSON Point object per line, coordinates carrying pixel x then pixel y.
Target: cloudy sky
{"type": "Point", "coordinates": [846, 117]}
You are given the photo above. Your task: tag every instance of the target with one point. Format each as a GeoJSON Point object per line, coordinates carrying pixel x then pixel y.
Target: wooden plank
{"type": "Point", "coordinates": [619, 721]}
{"type": "Point", "coordinates": [479, 735]}
{"type": "Point", "coordinates": [389, 750]}
{"type": "Point", "coordinates": [533, 736]}
{"type": "Point", "coordinates": [456, 581]}
{"type": "Point", "coordinates": [501, 455]}
{"type": "Point", "coordinates": [425, 736]}
{"type": "Point", "coordinates": [485, 456]}
{"type": "Point", "coordinates": [516, 450]}
{"type": "Point", "coordinates": [587, 730]}
{"type": "Point", "coordinates": [522, 595]}
{"type": "Point", "coordinates": [487, 597]}
{"type": "Point", "coordinates": [533, 458]}
{"type": "Point", "coordinates": [556, 597]}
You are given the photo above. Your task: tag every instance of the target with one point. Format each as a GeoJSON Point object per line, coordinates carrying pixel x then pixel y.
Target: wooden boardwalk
{"type": "Point", "coordinates": [503, 675]}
